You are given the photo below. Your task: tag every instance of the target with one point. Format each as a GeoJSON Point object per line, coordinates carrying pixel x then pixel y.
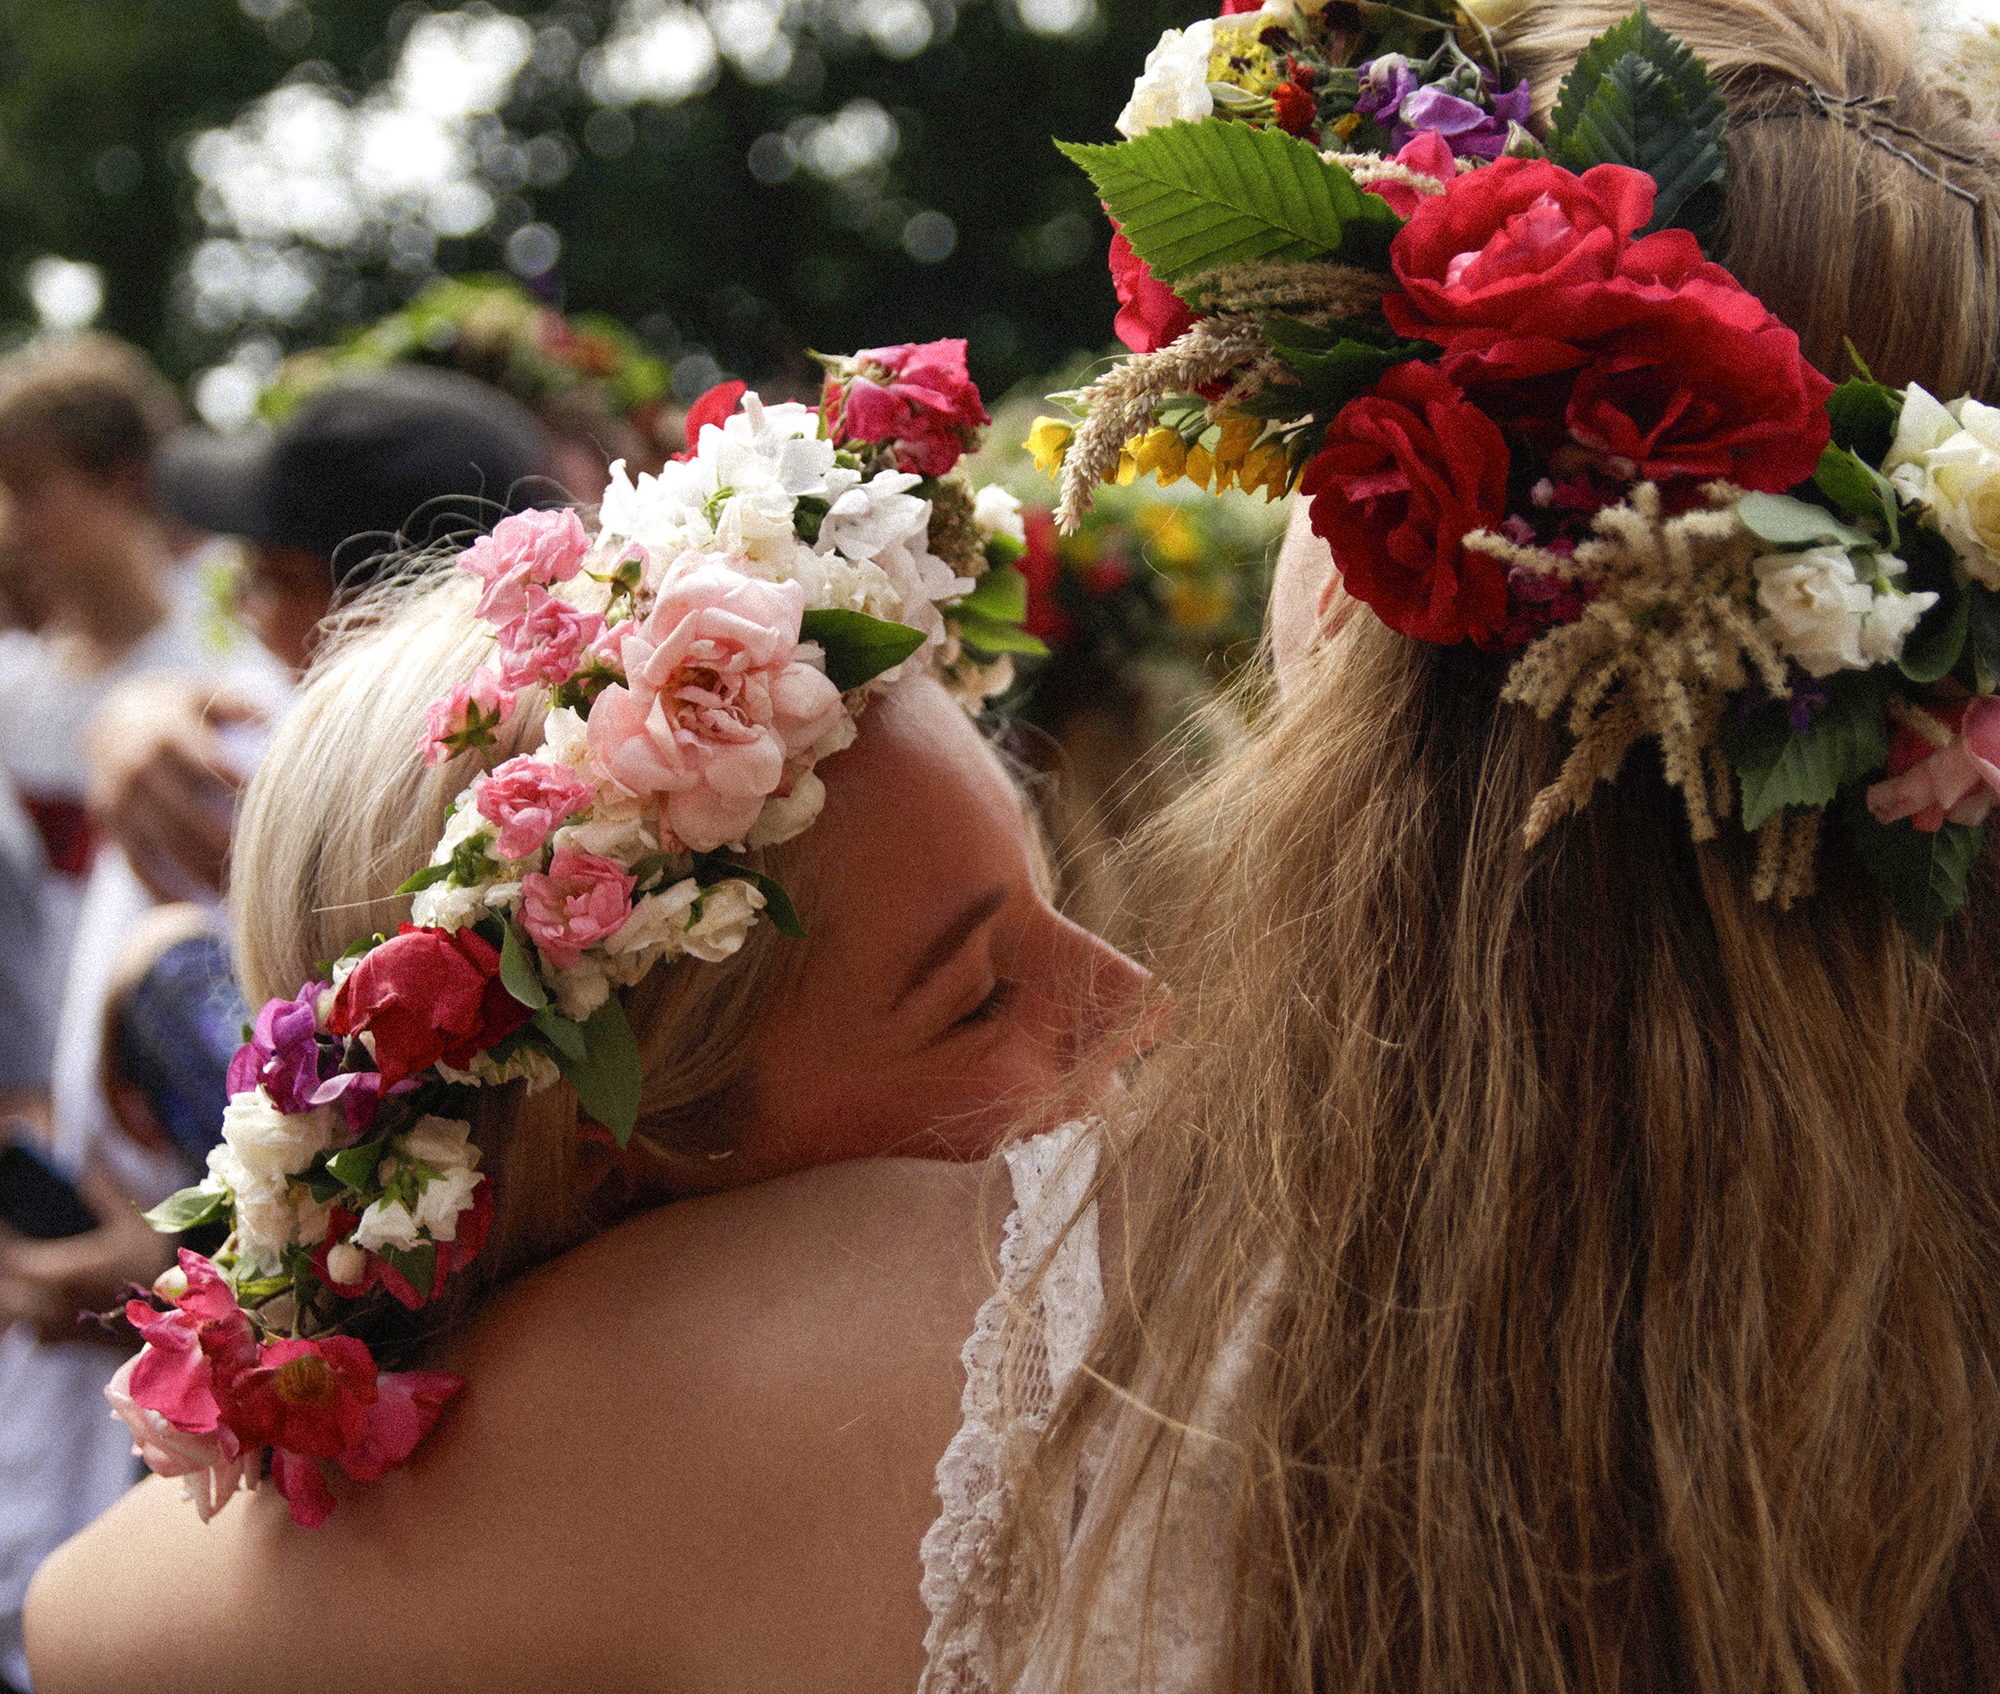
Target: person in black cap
{"type": "Point", "coordinates": [367, 468]}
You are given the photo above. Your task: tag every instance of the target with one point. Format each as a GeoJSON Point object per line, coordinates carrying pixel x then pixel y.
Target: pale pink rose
{"type": "Point", "coordinates": [582, 900]}
{"type": "Point", "coordinates": [715, 703]}
{"type": "Point", "coordinates": [212, 1474]}
{"type": "Point", "coordinates": [547, 642]}
{"type": "Point", "coordinates": [466, 717]}
{"type": "Point", "coordinates": [1958, 783]}
{"type": "Point", "coordinates": [526, 549]}
{"type": "Point", "coordinates": [528, 799]}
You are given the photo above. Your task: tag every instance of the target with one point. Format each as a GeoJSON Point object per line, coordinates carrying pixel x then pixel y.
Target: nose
{"type": "Point", "coordinates": [1113, 1001]}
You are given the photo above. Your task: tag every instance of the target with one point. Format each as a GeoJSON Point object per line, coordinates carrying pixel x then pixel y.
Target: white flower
{"type": "Point", "coordinates": [565, 738]}
{"type": "Point", "coordinates": [445, 905]}
{"type": "Point", "coordinates": [728, 909]}
{"type": "Point", "coordinates": [998, 513]}
{"type": "Point", "coordinates": [267, 1143]}
{"type": "Point", "coordinates": [1174, 85]}
{"type": "Point", "coordinates": [581, 991]}
{"type": "Point", "coordinates": [1948, 457]}
{"type": "Point", "coordinates": [441, 1143]}
{"type": "Point", "coordinates": [530, 1063]}
{"type": "Point", "coordinates": [443, 1198]}
{"type": "Point", "coordinates": [272, 1211]}
{"type": "Point", "coordinates": [625, 834]}
{"type": "Point", "coordinates": [1828, 618]}
{"type": "Point", "coordinates": [787, 815]}
{"type": "Point", "coordinates": [387, 1224]}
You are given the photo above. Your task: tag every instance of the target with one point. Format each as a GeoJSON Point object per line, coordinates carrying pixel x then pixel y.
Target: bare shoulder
{"type": "Point", "coordinates": [696, 1452]}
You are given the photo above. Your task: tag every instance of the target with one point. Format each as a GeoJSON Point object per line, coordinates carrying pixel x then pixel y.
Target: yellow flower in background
{"type": "Point", "coordinates": [1197, 602]}
{"type": "Point", "coordinates": [1049, 440]}
{"type": "Point", "coordinates": [1160, 452]}
{"type": "Point", "coordinates": [1170, 539]}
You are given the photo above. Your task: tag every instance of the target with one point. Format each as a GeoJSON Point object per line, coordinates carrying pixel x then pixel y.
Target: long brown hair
{"type": "Point", "coordinates": [1612, 1261]}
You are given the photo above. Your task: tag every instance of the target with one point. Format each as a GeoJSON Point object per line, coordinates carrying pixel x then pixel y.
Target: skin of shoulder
{"type": "Point", "coordinates": [695, 1453]}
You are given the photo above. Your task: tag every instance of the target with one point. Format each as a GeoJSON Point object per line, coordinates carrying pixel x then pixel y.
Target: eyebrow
{"type": "Point", "coordinates": [948, 941]}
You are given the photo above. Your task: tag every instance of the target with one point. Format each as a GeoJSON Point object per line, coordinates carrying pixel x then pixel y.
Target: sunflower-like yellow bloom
{"type": "Point", "coordinates": [1049, 440]}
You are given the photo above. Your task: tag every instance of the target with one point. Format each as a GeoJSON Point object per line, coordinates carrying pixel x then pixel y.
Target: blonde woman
{"type": "Point", "coordinates": [1539, 1267]}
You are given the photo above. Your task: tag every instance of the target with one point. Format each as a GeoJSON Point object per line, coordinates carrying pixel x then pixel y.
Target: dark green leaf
{"type": "Point", "coordinates": [1776, 766]}
{"type": "Point", "coordinates": [992, 637]}
{"type": "Point", "coordinates": [1194, 196]}
{"type": "Point", "coordinates": [1982, 607]}
{"type": "Point", "coordinates": [428, 877]}
{"type": "Point", "coordinates": [1847, 482]}
{"type": "Point", "coordinates": [564, 1035]}
{"type": "Point", "coordinates": [1003, 550]}
{"type": "Point", "coordinates": [1864, 416]}
{"type": "Point", "coordinates": [1002, 593]}
{"type": "Point", "coordinates": [417, 1265]}
{"type": "Point", "coordinates": [1934, 646]}
{"type": "Point", "coordinates": [777, 903]}
{"type": "Point", "coordinates": [321, 1186]}
{"type": "Point", "coordinates": [188, 1209]}
{"type": "Point", "coordinates": [607, 1080]}
{"type": "Point", "coordinates": [1923, 872]}
{"type": "Point", "coordinates": [517, 972]}
{"type": "Point", "coordinates": [1335, 365]}
{"type": "Point", "coordinates": [858, 647]}
{"type": "Point", "coordinates": [1639, 97]}
{"type": "Point", "coordinates": [356, 1166]}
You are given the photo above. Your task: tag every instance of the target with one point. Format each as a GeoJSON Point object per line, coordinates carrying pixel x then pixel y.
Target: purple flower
{"type": "Point", "coordinates": [1385, 84]}
{"type": "Point", "coordinates": [1473, 127]}
{"type": "Point", "coordinates": [282, 1053]}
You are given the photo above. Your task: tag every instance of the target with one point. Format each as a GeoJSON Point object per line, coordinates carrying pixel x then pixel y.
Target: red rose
{"type": "Point", "coordinates": [918, 397]}
{"type": "Point", "coordinates": [1518, 262]}
{"type": "Point", "coordinates": [426, 995]}
{"type": "Point", "coordinates": [1150, 314]}
{"type": "Point", "coordinates": [716, 407]}
{"type": "Point", "coordinates": [1407, 472]}
{"type": "Point", "coordinates": [1706, 385]}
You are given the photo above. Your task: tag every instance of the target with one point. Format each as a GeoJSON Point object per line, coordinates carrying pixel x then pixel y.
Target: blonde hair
{"type": "Point", "coordinates": [1612, 1260]}
{"type": "Point", "coordinates": [340, 815]}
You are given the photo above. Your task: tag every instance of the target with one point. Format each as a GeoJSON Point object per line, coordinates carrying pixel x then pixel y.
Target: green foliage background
{"type": "Point", "coordinates": [673, 231]}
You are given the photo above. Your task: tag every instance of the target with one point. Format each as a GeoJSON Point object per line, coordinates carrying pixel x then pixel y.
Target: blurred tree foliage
{"type": "Point", "coordinates": [694, 220]}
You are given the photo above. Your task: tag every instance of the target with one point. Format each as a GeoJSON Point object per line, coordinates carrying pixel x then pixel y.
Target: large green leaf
{"type": "Point", "coordinates": [517, 972]}
{"type": "Point", "coordinates": [858, 648]}
{"type": "Point", "coordinates": [1638, 96]}
{"type": "Point", "coordinates": [1982, 608]}
{"type": "Point", "coordinates": [1777, 766]}
{"type": "Point", "coordinates": [1192, 196]}
{"type": "Point", "coordinates": [1002, 593]}
{"type": "Point", "coordinates": [1922, 871]}
{"type": "Point", "coordinates": [1336, 363]}
{"type": "Point", "coordinates": [186, 1210]}
{"type": "Point", "coordinates": [994, 636]}
{"type": "Point", "coordinates": [606, 1080]}
{"type": "Point", "coordinates": [1864, 416]}
{"type": "Point", "coordinates": [1932, 649]}
{"type": "Point", "coordinates": [1787, 523]}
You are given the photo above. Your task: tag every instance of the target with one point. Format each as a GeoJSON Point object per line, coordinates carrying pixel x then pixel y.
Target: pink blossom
{"type": "Point", "coordinates": [213, 1463]}
{"type": "Point", "coordinates": [547, 642]}
{"type": "Point", "coordinates": [583, 899]}
{"type": "Point", "coordinates": [407, 1405]}
{"type": "Point", "coordinates": [1957, 783]}
{"type": "Point", "coordinates": [918, 396]}
{"type": "Point", "coordinates": [714, 704]}
{"type": "Point", "coordinates": [525, 549]}
{"type": "Point", "coordinates": [466, 718]}
{"type": "Point", "coordinates": [1427, 153]}
{"type": "Point", "coordinates": [194, 1354]}
{"type": "Point", "coordinates": [527, 799]}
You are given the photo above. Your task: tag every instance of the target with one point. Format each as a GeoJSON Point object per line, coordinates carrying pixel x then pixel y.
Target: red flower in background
{"type": "Point", "coordinates": [1042, 566]}
{"type": "Point", "coordinates": [1406, 474]}
{"type": "Point", "coordinates": [1150, 314]}
{"type": "Point", "coordinates": [917, 397]}
{"type": "Point", "coordinates": [716, 407]}
{"type": "Point", "coordinates": [426, 995]}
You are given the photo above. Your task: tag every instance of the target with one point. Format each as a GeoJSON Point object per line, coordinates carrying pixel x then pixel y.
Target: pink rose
{"type": "Point", "coordinates": [528, 548]}
{"type": "Point", "coordinates": [528, 798]}
{"type": "Point", "coordinates": [1957, 783]}
{"type": "Point", "coordinates": [465, 719]}
{"type": "Point", "coordinates": [1427, 153]}
{"type": "Point", "coordinates": [194, 1354]}
{"type": "Point", "coordinates": [547, 642]}
{"type": "Point", "coordinates": [583, 899]}
{"type": "Point", "coordinates": [714, 704]}
{"type": "Point", "coordinates": [918, 397]}
{"type": "Point", "coordinates": [214, 1464]}
{"type": "Point", "coordinates": [407, 1405]}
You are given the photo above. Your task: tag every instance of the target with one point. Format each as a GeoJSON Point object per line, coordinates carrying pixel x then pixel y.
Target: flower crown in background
{"type": "Point", "coordinates": [698, 657]}
{"type": "Point", "coordinates": [1531, 415]}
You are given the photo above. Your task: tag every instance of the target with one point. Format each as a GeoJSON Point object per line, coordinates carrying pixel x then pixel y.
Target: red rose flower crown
{"type": "Point", "coordinates": [1530, 414]}
{"type": "Point", "coordinates": [693, 661]}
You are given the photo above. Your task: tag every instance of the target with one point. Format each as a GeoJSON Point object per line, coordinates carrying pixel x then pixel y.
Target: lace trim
{"type": "Point", "coordinates": [1050, 1175]}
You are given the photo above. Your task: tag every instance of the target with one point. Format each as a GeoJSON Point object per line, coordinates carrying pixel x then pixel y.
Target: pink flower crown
{"type": "Point", "coordinates": [1532, 416]}
{"type": "Point", "coordinates": [699, 656]}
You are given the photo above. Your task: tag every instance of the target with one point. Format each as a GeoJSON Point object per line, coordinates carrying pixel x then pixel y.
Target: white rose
{"type": "Point", "coordinates": [441, 1143]}
{"type": "Point", "coordinates": [444, 905]}
{"type": "Point", "coordinates": [565, 738]}
{"type": "Point", "coordinates": [268, 1143]}
{"type": "Point", "coordinates": [1948, 457]}
{"type": "Point", "coordinates": [443, 1198]}
{"type": "Point", "coordinates": [728, 909]}
{"type": "Point", "coordinates": [1173, 87]}
{"type": "Point", "coordinates": [785, 816]}
{"type": "Point", "coordinates": [997, 513]}
{"type": "Point", "coordinates": [386, 1224]}
{"type": "Point", "coordinates": [626, 836]}
{"type": "Point", "coordinates": [272, 1212]}
{"type": "Point", "coordinates": [1818, 605]}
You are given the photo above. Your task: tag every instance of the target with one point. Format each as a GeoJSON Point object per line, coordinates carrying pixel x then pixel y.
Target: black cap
{"type": "Point", "coordinates": [369, 465]}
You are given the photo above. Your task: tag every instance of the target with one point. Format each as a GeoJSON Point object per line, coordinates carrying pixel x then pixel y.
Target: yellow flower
{"type": "Point", "coordinates": [1344, 127]}
{"type": "Point", "coordinates": [1197, 604]}
{"type": "Point", "coordinates": [1200, 467]}
{"type": "Point", "coordinates": [1239, 435]}
{"type": "Point", "coordinates": [1268, 468]}
{"type": "Point", "coordinates": [1170, 538]}
{"type": "Point", "coordinates": [1161, 453]}
{"type": "Point", "coordinates": [1049, 440]}
{"type": "Point", "coordinates": [1128, 468]}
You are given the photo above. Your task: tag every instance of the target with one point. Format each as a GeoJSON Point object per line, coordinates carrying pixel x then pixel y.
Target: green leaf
{"type": "Point", "coordinates": [564, 1035]}
{"type": "Point", "coordinates": [607, 1079]}
{"type": "Point", "coordinates": [778, 905]}
{"type": "Point", "coordinates": [1923, 872]}
{"type": "Point", "coordinates": [356, 1166]}
{"type": "Point", "coordinates": [1982, 609]}
{"type": "Point", "coordinates": [1848, 480]}
{"type": "Point", "coordinates": [418, 1265]}
{"type": "Point", "coordinates": [858, 648]}
{"type": "Point", "coordinates": [188, 1209]}
{"type": "Point", "coordinates": [1864, 415]}
{"type": "Point", "coordinates": [992, 637]}
{"type": "Point", "coordinates": [1193, 196]}
{"type": "Point", "coordinates": [428, 877]}
{"type": "Point", "coordinates": [1003, 550]}
{"type": "Point", "coordinates": [1786, 522]}
{"type": "Point", "coordinates": [1776, 766]}
{"type": "Point", "coordinates": [517, 972]}
{"type": "Point", "coordinates": [1932, 649]}
{"type": "Point", "coordinates": [1638, 96]}
{"type": "Point", "coordinates": [1002, 593]}
{"type": "Point", "coordinates": [1337, 363]}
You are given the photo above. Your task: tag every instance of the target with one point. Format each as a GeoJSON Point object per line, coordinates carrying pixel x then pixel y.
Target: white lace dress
{"type": "Point", "coordinates": [1159, 1626]}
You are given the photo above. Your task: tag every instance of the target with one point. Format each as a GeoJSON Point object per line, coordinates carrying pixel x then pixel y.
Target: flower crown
{"type": "Point", "coordinates": [717, 638]}
{"type": "Point", "coordinates": [1531, 415]}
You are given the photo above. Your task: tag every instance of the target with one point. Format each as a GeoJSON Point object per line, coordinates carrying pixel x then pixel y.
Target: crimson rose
{"type": "Point", "coordinates": [1150, 314]}
{"type": "Point", "coordinates": [426, 995]}
{"type": "Point", "coordinates": [1407, 472]}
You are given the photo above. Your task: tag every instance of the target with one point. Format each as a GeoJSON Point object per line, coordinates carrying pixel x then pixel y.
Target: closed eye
{"type": "Point", "coordinates": [997, 1000]}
